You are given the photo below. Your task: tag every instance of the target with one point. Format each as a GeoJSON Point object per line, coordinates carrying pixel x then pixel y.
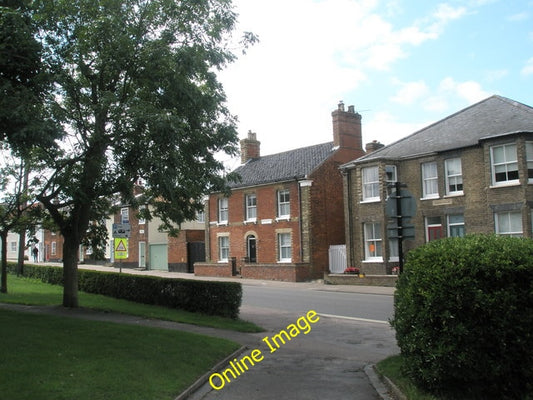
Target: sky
{"type": "Point", "coordinates": [403, 64]}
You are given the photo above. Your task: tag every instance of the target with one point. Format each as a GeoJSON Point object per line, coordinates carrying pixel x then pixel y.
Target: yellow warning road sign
{"type": "Point", "coordinates": [121, 248]}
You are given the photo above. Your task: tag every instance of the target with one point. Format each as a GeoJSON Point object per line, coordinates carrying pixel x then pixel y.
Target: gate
{"type": "Point", "coordinates": [195, 253]}
{"type": "Point", "coordinates": [337, 259]}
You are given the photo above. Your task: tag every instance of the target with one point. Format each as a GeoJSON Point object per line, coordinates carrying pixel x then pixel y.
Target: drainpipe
{"type": "Point", "coordinates": [300, 219]}
{"type": "Point", "coordinates": [350, 215]}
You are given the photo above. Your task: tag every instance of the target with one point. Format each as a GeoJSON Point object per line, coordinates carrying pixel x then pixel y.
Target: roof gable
{"type": "Point", "coordinates": [493, 117]}
{"type": "Point", "coordinates": [293, 164]}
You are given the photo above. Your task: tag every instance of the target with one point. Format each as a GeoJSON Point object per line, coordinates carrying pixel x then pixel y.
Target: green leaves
{"type": "Point", "coordinates": [463, 315]}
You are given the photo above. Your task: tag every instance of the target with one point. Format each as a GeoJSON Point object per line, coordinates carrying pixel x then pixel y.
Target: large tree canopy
{"type": "Point", "coordinates": [136, 92]}
{"type": "Point", "coordinates": [23, 81]}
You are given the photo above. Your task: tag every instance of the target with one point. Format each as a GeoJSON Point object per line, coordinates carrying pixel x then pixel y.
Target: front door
{"type": "Point", "coordinates": [142, 254]}
{"type": "Point", "coordinates": [252, 250]}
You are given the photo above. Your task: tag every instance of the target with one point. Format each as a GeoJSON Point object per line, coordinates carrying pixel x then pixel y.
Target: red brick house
{"type": "Point", "coordinates": [285, 212]}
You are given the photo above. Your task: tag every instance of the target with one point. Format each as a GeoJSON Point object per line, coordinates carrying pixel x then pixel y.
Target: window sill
{"type": "Point", "coordinates": [250, 221]}
{"type": "Point", "coordinates": [283, 218]}
{"type": "Point", "coordinates": [222, 262]}
{"type": "Point", "coordinates": [430, 198]}
{"type": "Point", "coordinates": [284, 261]}
{"type": "Point", "coordinates": [505, 184]}
{"type": "Point", "coordinates": [223, 223]}
{"type": "Point", "coordinates": [373, 260]}
{"type": "Point", "coordinates": [368, 201]}
{"type": "Point", "coordinates": [456, 194]}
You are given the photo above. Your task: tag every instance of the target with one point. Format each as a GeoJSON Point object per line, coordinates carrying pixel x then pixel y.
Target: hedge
{"type": "Point", "coordinates": [208, 297]}
{"type": "Point", "coordinates": [464, 317]}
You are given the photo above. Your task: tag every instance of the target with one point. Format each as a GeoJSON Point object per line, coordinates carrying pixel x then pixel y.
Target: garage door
{"type": "Point", "coordinates": [159, 257]}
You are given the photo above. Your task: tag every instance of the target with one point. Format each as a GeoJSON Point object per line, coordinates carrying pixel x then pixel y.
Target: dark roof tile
{"type": "Point", "coordinates": [284, 166]}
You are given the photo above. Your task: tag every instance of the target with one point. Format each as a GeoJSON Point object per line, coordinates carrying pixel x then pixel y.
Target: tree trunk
{"type": "Point", "coordinates": [22, 247]}
{"type": "Point", "coordinates": [70, 273]}
{"type": "Point", "coordinates": [3, 284]}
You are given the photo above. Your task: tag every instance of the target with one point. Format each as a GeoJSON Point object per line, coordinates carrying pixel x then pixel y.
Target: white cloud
{"type": "Point", "coordinates": [470, 91]}
{"type": "Point", "coordinates": [528, 68]}
{"type": "Point", "coordinates": [410, 92]}
{"type": "Point", "coordinates": [387, 129]}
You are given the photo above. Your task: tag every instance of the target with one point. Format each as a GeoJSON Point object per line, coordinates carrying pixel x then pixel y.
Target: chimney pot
{"type": "Point", "coordinates": [351, 109]}
{"type": "Point", "coordinates": [341, 106]}
{"type": "Point", "coordinates": [373, 146]}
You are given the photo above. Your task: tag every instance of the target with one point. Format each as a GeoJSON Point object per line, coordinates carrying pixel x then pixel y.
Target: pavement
{"type": "Point", "coordinates": [334, 360]}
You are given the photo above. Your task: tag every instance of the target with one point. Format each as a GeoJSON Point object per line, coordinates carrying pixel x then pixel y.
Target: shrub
{"type": "Point", "coordinates": [208, 297]}
{"type": "Point", "coordinates": [464, 316]}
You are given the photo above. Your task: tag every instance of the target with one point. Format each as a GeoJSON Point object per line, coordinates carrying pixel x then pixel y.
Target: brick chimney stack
{"type": "Point", "coordinates": [347, 128]}
{"type": "Point", "coordinates": [250, 147]}
{"type": "Point", "coordinates": [373, 146]}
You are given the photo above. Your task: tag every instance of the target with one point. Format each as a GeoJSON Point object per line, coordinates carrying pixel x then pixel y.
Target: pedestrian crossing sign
{"type": "Point", "coordinates": [120, 248]}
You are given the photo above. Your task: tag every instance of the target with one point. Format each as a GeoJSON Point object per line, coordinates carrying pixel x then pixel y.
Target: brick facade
{"type": "Point", "coordinates": [315, 220]}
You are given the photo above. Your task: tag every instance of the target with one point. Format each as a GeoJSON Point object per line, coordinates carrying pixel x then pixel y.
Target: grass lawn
{"type": "Point", "coordinates": [34, 292]}
{"type": "Point", "coordinates": [45, 357]}
{"type": "Point", "coordinates": [391, 368]}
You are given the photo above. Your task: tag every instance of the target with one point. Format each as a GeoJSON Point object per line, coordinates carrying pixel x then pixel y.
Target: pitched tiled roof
{"type": "Point", "coordinates": [492, 117]}
{"type": "Point", "coordinates": [284, 166]}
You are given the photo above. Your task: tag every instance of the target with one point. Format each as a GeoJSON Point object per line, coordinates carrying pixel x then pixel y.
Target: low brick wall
{"type": "Point", "coordinates": [277, 272]}
{"type": "Point", "coordinates": [215, 270]}
{"type": "Point", "coordinates": [368, 280]}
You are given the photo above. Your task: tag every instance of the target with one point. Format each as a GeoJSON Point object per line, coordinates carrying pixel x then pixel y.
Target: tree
{"type": "Point", "coordinates": [23, 82]}
{"type": "Point", "coordinates": [136, 91]}
{"type": "Point", "coordinates": [17, 211]}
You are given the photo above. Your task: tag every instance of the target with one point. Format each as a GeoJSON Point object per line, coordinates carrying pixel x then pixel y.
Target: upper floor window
{"type": "Point", "coordinates": [504, 164]}
{"type": "Point", "coordinates": [142, 220]}
{"type": "Point", "coordinates": [529, 158]}
{"type": "Point", "coordinates": [370, 184]}
{"type": "Point", "coordinates": [430, 180]}
{"type": "Point", "coordinates": [454, 176]}
{"type": "Point", "coordinates": [251, 207]}
{"type": "Point", "coordinates": [391, 174]}
{"type": "Point", "coordinates": [373, 241]}
{"type": "Point", "coordinates": [200, 216]}
{"type": "Point", "coordinates": [508, 223]}
{"type": "Point", "coordinates": [223, 210]}
{"type": "Point", "coordinates": [284, 203]}
{"type": "Point", "coordinates": [284, 247]}
{"type": "Point", "coordinates": [125, 215]}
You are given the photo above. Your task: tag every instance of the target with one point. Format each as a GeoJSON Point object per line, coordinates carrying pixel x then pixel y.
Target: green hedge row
{"type": "Point", "coordinates": [464, 317]}
{"type": "Point", "coordinates": [208, 297]}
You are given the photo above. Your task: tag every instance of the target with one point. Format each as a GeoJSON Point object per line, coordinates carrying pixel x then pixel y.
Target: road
{"type": "Point", "coordinates": [328, 361]}
{"type": "Point", "coordinates": [300, 299]}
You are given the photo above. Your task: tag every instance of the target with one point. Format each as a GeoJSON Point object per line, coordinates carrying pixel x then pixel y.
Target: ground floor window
{"type": "Point", "coordinates": [394, 252]}
{"type": "Point", "coordinates": [223, 248]}
{"type": "Point", "coordinates": [456, 225]}
{"type": "Point", "coordinates": [508, 223]}
{"type": "Point", "coordinates": [373, 242]}
{"type": "Point", "coordinates": [284, 247]}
